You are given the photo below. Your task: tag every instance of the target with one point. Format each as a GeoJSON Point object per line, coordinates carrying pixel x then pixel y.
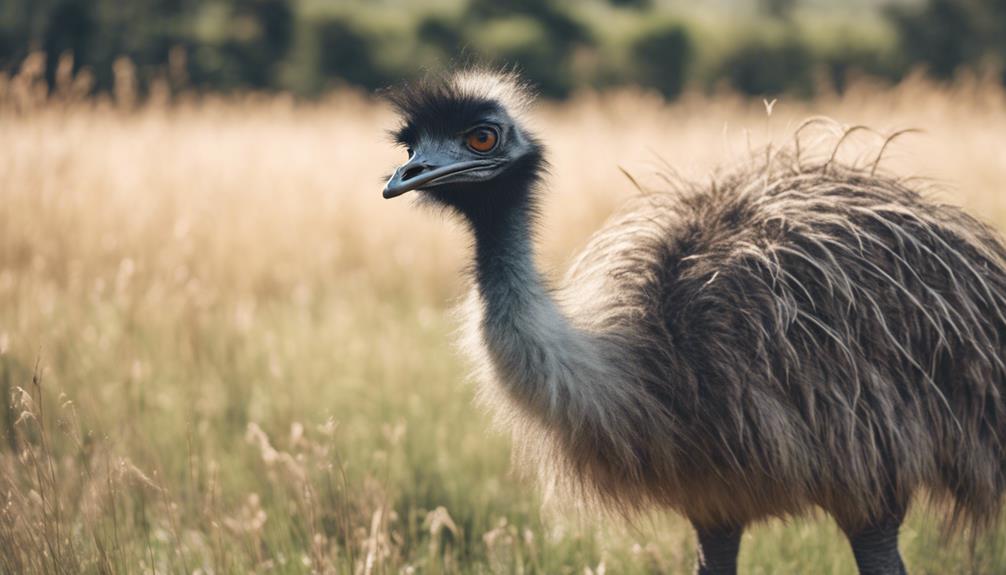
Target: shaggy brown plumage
{"type": "Point", "coordinates": [793, 335]}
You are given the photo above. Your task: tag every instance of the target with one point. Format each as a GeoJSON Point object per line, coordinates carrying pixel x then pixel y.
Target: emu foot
{"type": "Point", "coordinates": [718, 548]}
{"type": "Point", "coordinates": [876, 549]}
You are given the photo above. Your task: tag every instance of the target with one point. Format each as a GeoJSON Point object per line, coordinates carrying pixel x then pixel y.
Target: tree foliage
{"type": "Point", "coordinates": [946, 35]}
{"type": "Point", "coordinates": [561, 46]}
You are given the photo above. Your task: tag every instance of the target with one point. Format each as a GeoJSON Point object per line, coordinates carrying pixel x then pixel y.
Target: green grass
{"type": "Point", "coordinates": [309, 438]}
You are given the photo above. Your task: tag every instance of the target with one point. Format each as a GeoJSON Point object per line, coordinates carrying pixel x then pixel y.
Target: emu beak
{"type": "Point", "coordinates": [424, 170]}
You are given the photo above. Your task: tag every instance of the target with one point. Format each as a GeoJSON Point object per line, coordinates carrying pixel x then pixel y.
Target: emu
{"type": "Point", "coordinates": [798, 335]}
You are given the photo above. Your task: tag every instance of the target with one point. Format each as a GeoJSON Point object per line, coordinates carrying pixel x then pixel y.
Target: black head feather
{"type": "Point", "coordinates": [444, 104]}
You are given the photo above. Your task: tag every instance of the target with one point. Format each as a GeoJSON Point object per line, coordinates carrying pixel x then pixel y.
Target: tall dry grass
{"type": "Point", "coordinates": [221, 351]}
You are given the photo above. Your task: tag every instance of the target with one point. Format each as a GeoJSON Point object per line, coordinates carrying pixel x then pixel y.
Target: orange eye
{"type": "Point", "coordinates": [481, 139]}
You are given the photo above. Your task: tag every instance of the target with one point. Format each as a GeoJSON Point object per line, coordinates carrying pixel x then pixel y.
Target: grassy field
{"type": "Point", "coordinates": [225, 353]}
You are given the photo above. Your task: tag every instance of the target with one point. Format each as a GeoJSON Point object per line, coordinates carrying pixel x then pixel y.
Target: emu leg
{"type": "Point", "coordinates": [876, 548]}
{"type": "Point", "coordinates": [718, 548]}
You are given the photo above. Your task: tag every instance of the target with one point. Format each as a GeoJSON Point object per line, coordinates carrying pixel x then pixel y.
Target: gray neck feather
{"type": "Point", "coordinates": [559, 373]}
{"type": "Point", "coordinates": [527, 339]}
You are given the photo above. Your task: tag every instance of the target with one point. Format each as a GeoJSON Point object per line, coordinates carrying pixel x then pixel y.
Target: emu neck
{"type": "Point", "coordinates": [505, 272]}
{"type": "Point", "coordinates": [570, 380]}
{"type": "Point", "coordinates": [502, 216]}
{"type": "Point", "coordinates": [534, 351]}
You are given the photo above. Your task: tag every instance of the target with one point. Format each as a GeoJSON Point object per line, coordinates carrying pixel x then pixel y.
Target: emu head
{"type": "Point", "coordinates": [467, 145]}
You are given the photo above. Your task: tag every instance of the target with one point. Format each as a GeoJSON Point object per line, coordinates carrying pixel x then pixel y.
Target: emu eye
{"type": "Point", "coordinates": [482, 139]}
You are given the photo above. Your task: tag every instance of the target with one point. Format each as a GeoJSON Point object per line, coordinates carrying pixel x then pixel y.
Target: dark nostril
{"type": "Point", "coordinates": [413, 172]}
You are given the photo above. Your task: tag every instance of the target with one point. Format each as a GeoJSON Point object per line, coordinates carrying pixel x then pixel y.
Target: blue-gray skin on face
{"type": "Point", "coordinates": [441, 152]}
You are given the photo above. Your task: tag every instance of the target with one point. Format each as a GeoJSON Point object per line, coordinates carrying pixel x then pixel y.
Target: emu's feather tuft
{"type": "Point", "coordinates": [447, 104]}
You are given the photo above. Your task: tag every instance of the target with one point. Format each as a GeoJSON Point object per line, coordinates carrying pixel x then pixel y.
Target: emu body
{"type": "Point", "coordinates": [795, 335]}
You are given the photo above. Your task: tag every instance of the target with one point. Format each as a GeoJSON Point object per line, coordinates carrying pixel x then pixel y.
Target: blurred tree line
{"type": "Point", "coordinates": [308, 46]}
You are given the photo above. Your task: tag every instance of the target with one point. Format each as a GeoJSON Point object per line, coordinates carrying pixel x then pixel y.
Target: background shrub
{"type": "Point", "coordinates": [663, 56]}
